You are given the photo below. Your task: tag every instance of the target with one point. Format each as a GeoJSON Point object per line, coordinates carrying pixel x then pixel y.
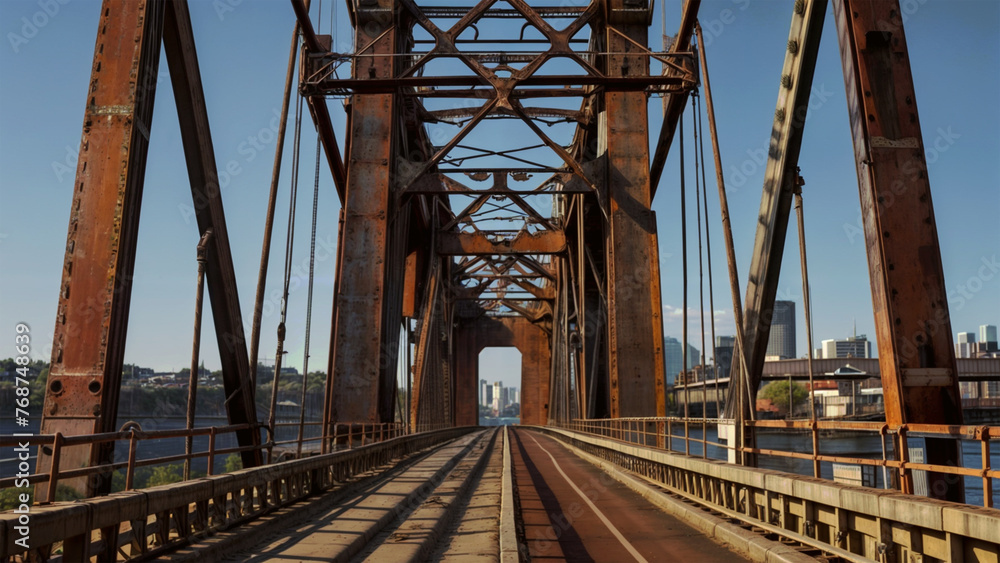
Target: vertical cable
{"type": "Point", "coordinates": [309, 298]}
{"type": "Point", "coordinates": [684, 304]}
{"type": "Point", "coordinates": [289, 244]}
{"type": "Point", "coordinates": [701, 276]}
{"type": "Point", "coordinates": [708, 253]}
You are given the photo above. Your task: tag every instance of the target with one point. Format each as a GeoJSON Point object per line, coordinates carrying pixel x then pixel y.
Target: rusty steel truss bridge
{"type": "Point", "coordinates": [544, 241]}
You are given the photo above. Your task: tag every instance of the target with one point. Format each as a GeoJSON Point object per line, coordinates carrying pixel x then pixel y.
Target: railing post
{"type": "Point", "coordinates": [211, 450]}
{"type": "Point", "coordinates": [984, 436]}
{"type": "Point", "coordinates": [130, 468]}
{"type": "Point", "coordinates": [687, 440]}
{"type": "Point", "coordinates": [814, 427]}
{"type": "Point", "coordinates": [885, 469]}
{"type": "Point", "coordinates": [670, 435]}
{"type": "Point", "coordinates": [50, 494]}
{"type": "Point", "coordinates": [903, 454]}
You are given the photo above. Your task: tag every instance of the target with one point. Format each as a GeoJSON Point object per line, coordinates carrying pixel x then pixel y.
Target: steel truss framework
{"type": "Point", "coordinates": [457, 232]}
{"type": "Point", "coordinates": [543, 239]}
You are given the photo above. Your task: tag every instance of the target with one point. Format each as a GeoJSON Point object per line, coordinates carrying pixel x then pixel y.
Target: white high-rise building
{"type": "Point", "coordinates": [498, 397]}
{"type": "Point", "coordinates": [966, 345]}
{"type": "Point", "coordinates": [852, 347]}
{"type": "Point", "coordinates": [987, 333]}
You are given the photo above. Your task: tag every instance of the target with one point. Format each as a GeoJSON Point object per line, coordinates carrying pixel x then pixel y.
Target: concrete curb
{"type": "Point", "coordinates": [508, 530]}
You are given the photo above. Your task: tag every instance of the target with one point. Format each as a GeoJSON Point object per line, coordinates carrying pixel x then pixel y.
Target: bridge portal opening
{"type": "Point", "coordinates": [499, 386]}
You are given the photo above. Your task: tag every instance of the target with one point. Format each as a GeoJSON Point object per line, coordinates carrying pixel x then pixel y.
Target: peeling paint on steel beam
{"type": "Point", "coordinates": [92, 316]}
{"type": "Point", "coordinates": [912, 323]}
{"type": "Point", "coordinates": [480, 243]}
{"type": "Point", "coordinates": [354, 378]}
{"type": "Point", "coordinates": [635, 316]}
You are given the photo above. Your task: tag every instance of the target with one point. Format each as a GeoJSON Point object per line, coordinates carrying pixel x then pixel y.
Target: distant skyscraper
{"type": "Point", "coordinates": [987, 333]}
{"type": "Point", "coordinates": [497, 399]}
{"type": "Point", "coordinates": [724, 347]}
{"type": "Point", "coordinates": [483, 390]}
{"type": "Point", "coordinates": [672, 357]}
{"type": "Point", "coordinates": [853, 347]}
{"type": "Point", "coordinates": [987, 338]}
{"type": "Point", "coordinates": [966, 345]}
{"type": "Point", "coordinates": [782, 340]}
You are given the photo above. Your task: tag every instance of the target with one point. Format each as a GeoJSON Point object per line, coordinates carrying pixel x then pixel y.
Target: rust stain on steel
{"type": "Point", "coordinates": [542, 242]}
{"type": "Point", "coordinates": [353, 381]}
{"type": "Point", "coordinates": [636, 327]}
{"type": "Point", "coordinates": [92, 315]}
{"type": "Point", "coordinates": [912, 323]}
{"type": "Point", "coordinates": [534, 344]}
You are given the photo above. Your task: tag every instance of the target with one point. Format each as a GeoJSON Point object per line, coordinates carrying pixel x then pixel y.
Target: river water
{"type": "Point", "coordinates": [852, 445]}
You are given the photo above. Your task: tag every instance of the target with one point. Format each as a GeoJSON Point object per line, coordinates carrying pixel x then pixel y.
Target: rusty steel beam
{"type": "Point", "coordinates": [479, 243]}
{"type": "Point", "coordinates": [676, 102]}
{"type": "Point", "coordinates": [196, 136]}
{"type": "Point", "coordinates": [422, 368]}
{"type": "Point", "coordinates": [389, 85]}
{"type": "Point", "coordinates": [92, 316]}
{"type": "Point", "coordinates": [317, 105]}
{"type": "Point", "coordinates": [912, 324]}
{"type": "Point", "coordinates": [353, 380]}
{"type": "Point", "coordinates": [636, 326]}
{"type": "Point", "coordinates": [776, 199]}
{"type": "Point", "coordinates": [472, 336]}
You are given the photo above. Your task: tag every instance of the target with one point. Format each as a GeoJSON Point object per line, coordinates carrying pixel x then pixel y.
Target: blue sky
{"type": "Point", "coordinates": [955, 55]}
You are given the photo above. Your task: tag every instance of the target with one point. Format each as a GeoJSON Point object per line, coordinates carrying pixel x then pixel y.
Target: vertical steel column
{"type": "Point", "coordinates": [635, 315]}
{"type": "Point", "coordinates": [92, 316]}
{"type": "Point", "coordinates": [354, 375]}
{"type": "Point", "coordinates": [536, 371]}
{"type": "Point", "coordinates": [196, 135]}
{"type": "Point", "coordinates": [912, 323]}
{"type": "Point", "coordinates": [466, 377]}
{"type": "Point", "coordinates": [423, 369]}
{"type": "Point", "coordinates": [776, 198]}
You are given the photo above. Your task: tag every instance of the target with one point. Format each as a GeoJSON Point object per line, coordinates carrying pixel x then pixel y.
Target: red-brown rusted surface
{"type": "Point", "coordinates": [517, 332]}
{"type": "Point", "coordinates": [912, 324]}
{"type": "Point", "coordinates": [355, 366]}
{"type": "Point", "coordinates": [559, 525]}
{"type": "Point", "coordinates": [543, 242]}
{"type": "Point", "coordinates": [92, 317]}
{"type": "Point", "coordinates": [636, 326]}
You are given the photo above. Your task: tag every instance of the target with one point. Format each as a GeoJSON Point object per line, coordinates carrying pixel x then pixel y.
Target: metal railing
{"type": "Point", "coordinates": [132, 437]}
{"type": "Point", "coordinates": [143, 524]}
{"type": "Point", "coordinates": [845, 521]}
{"type": "Point", "coordinates": [659, 432]}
